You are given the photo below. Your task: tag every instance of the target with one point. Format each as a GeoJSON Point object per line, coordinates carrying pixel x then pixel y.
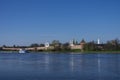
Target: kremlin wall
{"type": "Point", "coordinates": [47, 46]}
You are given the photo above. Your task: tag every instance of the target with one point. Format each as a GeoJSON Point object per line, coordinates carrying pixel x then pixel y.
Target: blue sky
{"type": "Point", "coordinates": [23, 22]}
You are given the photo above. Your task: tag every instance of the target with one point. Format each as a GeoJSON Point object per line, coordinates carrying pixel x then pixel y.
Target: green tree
{"type": "Point", "coordinates": [57, 45]}
{"type": "Point", "coordinates": [4, 46]}
{"type": "Point", "coordinates": [34, 45]}
{"type": "Point", "coordinates": [14, 46]}
{"type": "Point", "coordinates": [112, 45]}
{"type": "Point", "coordinates": [90, 46]}
{"type": "Point", "coordinates": [65, 46]}
{"type": "Point", "coordinates": [42, 45]}
{"type": "Point", "coordinates": [0, 48]}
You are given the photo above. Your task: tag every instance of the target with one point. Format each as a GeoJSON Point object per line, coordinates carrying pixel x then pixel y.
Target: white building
{"type": "Point", "coordinates": [98, 41]}
{"type": "Point", "coordinates": [71, 43]}
{"type": "Point", "coordinates": [47, 44]}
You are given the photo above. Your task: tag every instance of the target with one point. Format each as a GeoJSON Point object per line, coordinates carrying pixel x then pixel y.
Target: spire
{"type": "Point", "coordinates": [82, 41]}
{"type": "Point", "coordinates": [98, 41]}
{"type": "Point", "coordinates": [71, 43]}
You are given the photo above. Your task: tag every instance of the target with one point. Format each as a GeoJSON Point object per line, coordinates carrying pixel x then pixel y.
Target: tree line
{"type": "Point", "coordinates": [111, 45]}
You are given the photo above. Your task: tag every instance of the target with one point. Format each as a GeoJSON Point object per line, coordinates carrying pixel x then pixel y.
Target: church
{"type": "Point", "coordinates": [77, 46]}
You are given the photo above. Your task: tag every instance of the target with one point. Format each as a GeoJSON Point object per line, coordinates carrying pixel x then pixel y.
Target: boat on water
{"type": "Point", "coordinates": [22, 51]}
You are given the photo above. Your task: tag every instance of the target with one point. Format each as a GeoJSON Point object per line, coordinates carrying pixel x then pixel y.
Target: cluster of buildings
{"type": "Point", "coordinates": [77, 46]}
{"type": "Point", "coordinates": [47, 46]}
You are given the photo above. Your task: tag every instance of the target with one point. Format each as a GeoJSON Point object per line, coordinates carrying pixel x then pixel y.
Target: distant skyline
{"type": "Point", "coordinates": [23, 22]}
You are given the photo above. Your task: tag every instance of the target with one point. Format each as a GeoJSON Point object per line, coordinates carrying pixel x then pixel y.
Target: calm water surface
{"type": "Point", "coordinates": [44, 66]}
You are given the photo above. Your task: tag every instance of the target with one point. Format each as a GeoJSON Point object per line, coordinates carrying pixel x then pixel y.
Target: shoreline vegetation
{"type": "Point", "coordinates": [85, 52]}
{"type": "Point", "coordinates": [111, 46]}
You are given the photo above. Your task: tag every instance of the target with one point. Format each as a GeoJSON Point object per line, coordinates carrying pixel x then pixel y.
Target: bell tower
{"type": "Point", "coordinates": [98, 41]}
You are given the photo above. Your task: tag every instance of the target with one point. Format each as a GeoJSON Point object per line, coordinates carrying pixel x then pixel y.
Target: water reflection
{"type": "Point", "coordinates": [108, 66]}
{"type": "Point", "coordinates": [71, 62]}
{"type": "Point", "coordinates": [47, 62]}
{"type": "Point", "coordinates": [99, 66]}
{"type": "Point", "coordinates": [60, 66]}
{"type": "Point", "coordinates": [76, 63]}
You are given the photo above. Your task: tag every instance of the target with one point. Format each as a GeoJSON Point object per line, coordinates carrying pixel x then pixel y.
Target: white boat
{"type": "Point", "coordinates": [22, 51]}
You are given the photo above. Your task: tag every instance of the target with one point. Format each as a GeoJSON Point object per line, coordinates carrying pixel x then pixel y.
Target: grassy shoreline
{"type": "Point", "coordinates": [65, 51]}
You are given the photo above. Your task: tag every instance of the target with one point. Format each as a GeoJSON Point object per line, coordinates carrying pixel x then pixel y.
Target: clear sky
{"type": "Point", "coordinates": [23, 22]}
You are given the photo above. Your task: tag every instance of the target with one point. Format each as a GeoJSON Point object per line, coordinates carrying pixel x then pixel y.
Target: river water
{"type": "Point", "coordinates": [59, 66]}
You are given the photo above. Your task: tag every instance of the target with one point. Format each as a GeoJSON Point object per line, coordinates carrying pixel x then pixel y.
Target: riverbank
{"type": "Point", "coordinates": [64, 51]}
